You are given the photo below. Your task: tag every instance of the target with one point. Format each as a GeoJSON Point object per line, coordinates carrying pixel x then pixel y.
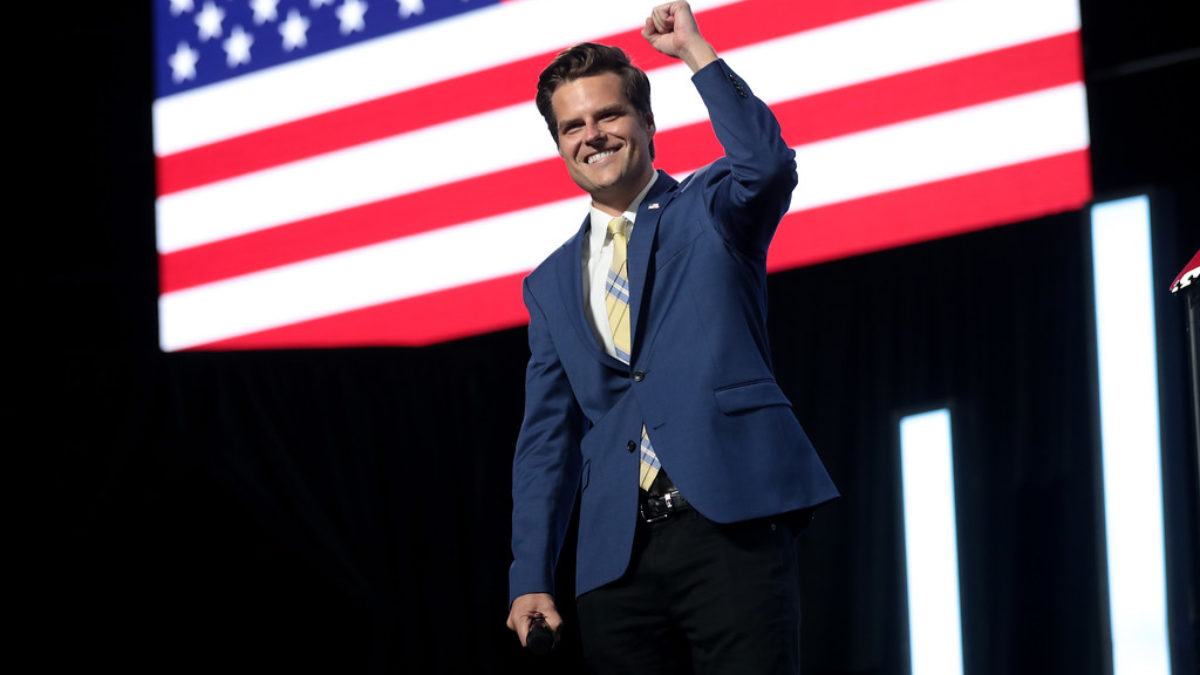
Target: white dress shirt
{"type": "Point", "coordinates": [597, 259]}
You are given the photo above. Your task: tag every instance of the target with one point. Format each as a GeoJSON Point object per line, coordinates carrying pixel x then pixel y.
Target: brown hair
{"type": "Point", "coordinates": [586, 59]}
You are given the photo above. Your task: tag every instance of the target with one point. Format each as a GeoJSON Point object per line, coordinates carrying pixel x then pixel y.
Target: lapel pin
{"type": "Point", "coordinates": [652, 206]}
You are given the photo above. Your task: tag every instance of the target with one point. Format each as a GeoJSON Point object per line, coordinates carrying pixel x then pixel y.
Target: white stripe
{"type": "Point", "coordinates": [392, 63]}
{"type": "Point", "coordinates": [959, 142]}
{"type": "Point", "coordinates": [978, 138]}
{"type": "Point", "coordinates": [857, 50]}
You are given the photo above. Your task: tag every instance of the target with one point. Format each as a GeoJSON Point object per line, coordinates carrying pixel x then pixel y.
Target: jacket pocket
{"type": "Point", "coordinates": [750, 395]}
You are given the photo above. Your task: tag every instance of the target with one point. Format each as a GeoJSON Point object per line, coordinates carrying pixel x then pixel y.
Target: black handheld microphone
{"type": "Point", "coordinates": [540, 639]}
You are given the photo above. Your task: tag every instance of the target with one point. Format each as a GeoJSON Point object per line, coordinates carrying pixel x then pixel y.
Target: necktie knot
{"type": "Point", "coordinates": [616, 226]}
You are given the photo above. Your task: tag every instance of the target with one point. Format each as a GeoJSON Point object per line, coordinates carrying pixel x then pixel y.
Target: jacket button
{"type": "Point", "coordinates": [631, 446]}
{"type": "Point", "coordinates": [638, 376]}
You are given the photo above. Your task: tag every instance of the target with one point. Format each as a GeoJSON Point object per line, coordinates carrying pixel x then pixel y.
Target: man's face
{"type": "Point", "coordinates": [602, 139]}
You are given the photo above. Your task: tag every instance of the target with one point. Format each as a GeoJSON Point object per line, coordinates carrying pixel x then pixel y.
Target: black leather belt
{"type": "Point", "coordinates": [654, 509]}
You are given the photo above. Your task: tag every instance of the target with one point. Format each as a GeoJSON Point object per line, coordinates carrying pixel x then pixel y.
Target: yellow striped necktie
{"type": "Point", "coordinates": [617, 303]}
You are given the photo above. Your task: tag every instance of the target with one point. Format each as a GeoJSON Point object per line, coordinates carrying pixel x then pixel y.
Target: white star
{"type": "Point", "coordinates": [237, 47]}
{"type": "Point", "coordinates": [351, 16]}
{"type": "Point", "coordinates": [183, 63]}
{"type": "Point", "coordinates": [318, 3]}
{"type": "Point", "coordinates": [208, 20]}
{"type": "Point", "coordinates": [294, 30]}
{"type": "Point", "coordinates": [180, 6]}
{"type": "Point", "coordinates": [264, 11]}
{"type": "Point", "coordinates": [410, 7]}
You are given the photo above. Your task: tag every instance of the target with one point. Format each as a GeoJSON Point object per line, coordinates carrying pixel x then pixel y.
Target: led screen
{"type": "Point", "coordinates": [360, 172]}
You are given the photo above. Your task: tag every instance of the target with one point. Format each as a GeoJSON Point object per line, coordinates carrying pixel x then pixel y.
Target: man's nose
{"type": "Point", "coordinates": [594, 134]}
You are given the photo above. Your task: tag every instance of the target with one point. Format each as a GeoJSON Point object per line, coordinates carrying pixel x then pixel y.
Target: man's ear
{"type": "Point", "coordinates": [649, 122]}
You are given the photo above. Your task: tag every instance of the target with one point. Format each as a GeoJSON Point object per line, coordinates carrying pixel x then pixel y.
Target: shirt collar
{"type": "Point", "coordinates": [599, 219]}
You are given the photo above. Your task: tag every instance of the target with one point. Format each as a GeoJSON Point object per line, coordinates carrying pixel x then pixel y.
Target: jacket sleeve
{"type": "Point", "coordinates": [545, 464]}
{"type": "Point", "coordinates": [749, 189]}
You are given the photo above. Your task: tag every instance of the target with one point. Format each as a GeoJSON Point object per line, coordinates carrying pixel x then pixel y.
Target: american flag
{"type": "Point", "coordinates": [374, 172]}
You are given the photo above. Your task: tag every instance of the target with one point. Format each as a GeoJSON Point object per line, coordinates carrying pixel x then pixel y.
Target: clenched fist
{"type": "Point", "coordinates": [671, 29]}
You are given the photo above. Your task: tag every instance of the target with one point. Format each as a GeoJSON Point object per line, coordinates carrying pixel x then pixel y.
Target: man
{"type": "Point", "coordinates": [649, 390]}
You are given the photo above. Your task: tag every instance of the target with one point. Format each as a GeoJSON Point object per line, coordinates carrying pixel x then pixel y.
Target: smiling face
{"type": "Point", "coordinates": [603, 140]}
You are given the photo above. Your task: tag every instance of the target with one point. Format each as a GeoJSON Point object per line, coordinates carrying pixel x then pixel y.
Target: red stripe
{"type": "Point", "coordinates": [373, 223]}
{"type": "Point", "coordinates": [977, 79]}
{"type": "Point", "coordinates": [728, 27]}
{"type": "Point", "coordinates": [933, 210]}
{"type": "Point", "coordinates": [954, 206]}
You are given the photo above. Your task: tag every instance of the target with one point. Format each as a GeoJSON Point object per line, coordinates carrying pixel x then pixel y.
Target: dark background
{"type": "Point", "coordinates": [347, 510]}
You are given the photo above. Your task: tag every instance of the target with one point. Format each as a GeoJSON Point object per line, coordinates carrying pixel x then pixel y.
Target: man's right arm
{"type": "Point", "coordinates": [545, 477]}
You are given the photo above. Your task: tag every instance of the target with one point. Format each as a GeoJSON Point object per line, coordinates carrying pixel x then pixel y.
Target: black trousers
{"type": "Point", "coordinates": [700, 597]}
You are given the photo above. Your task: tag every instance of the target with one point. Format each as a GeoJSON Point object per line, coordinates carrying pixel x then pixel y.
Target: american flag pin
{"type": "Point", "coordinates": [652, 206]}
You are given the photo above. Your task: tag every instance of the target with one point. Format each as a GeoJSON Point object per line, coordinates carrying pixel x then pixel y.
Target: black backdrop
{"type": "Point", "coordinates": [347, 510]}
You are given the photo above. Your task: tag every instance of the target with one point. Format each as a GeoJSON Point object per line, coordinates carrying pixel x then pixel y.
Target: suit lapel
{"type": "Point", "coordinates": [641, 244]}
{"type": "Point", "coordinates": [570, 269]}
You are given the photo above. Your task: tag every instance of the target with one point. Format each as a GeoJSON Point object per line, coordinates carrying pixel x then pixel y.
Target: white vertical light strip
{"type": "Point", "coordinates": [1129, 430]}
{"type": "Point", "coordinates": [930, 543]}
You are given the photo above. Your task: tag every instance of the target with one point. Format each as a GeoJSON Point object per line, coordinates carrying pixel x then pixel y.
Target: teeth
{"type": "Point", "coordinates": [599, 156]}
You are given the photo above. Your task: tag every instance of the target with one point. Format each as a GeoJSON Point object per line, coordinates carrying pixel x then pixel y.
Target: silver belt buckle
{"type": "Point", "coordinates": [661, 516]}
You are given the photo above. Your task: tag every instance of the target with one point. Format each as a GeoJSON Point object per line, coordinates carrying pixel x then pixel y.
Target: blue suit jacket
{"type": "Point", "coordinates": [700, 378]}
